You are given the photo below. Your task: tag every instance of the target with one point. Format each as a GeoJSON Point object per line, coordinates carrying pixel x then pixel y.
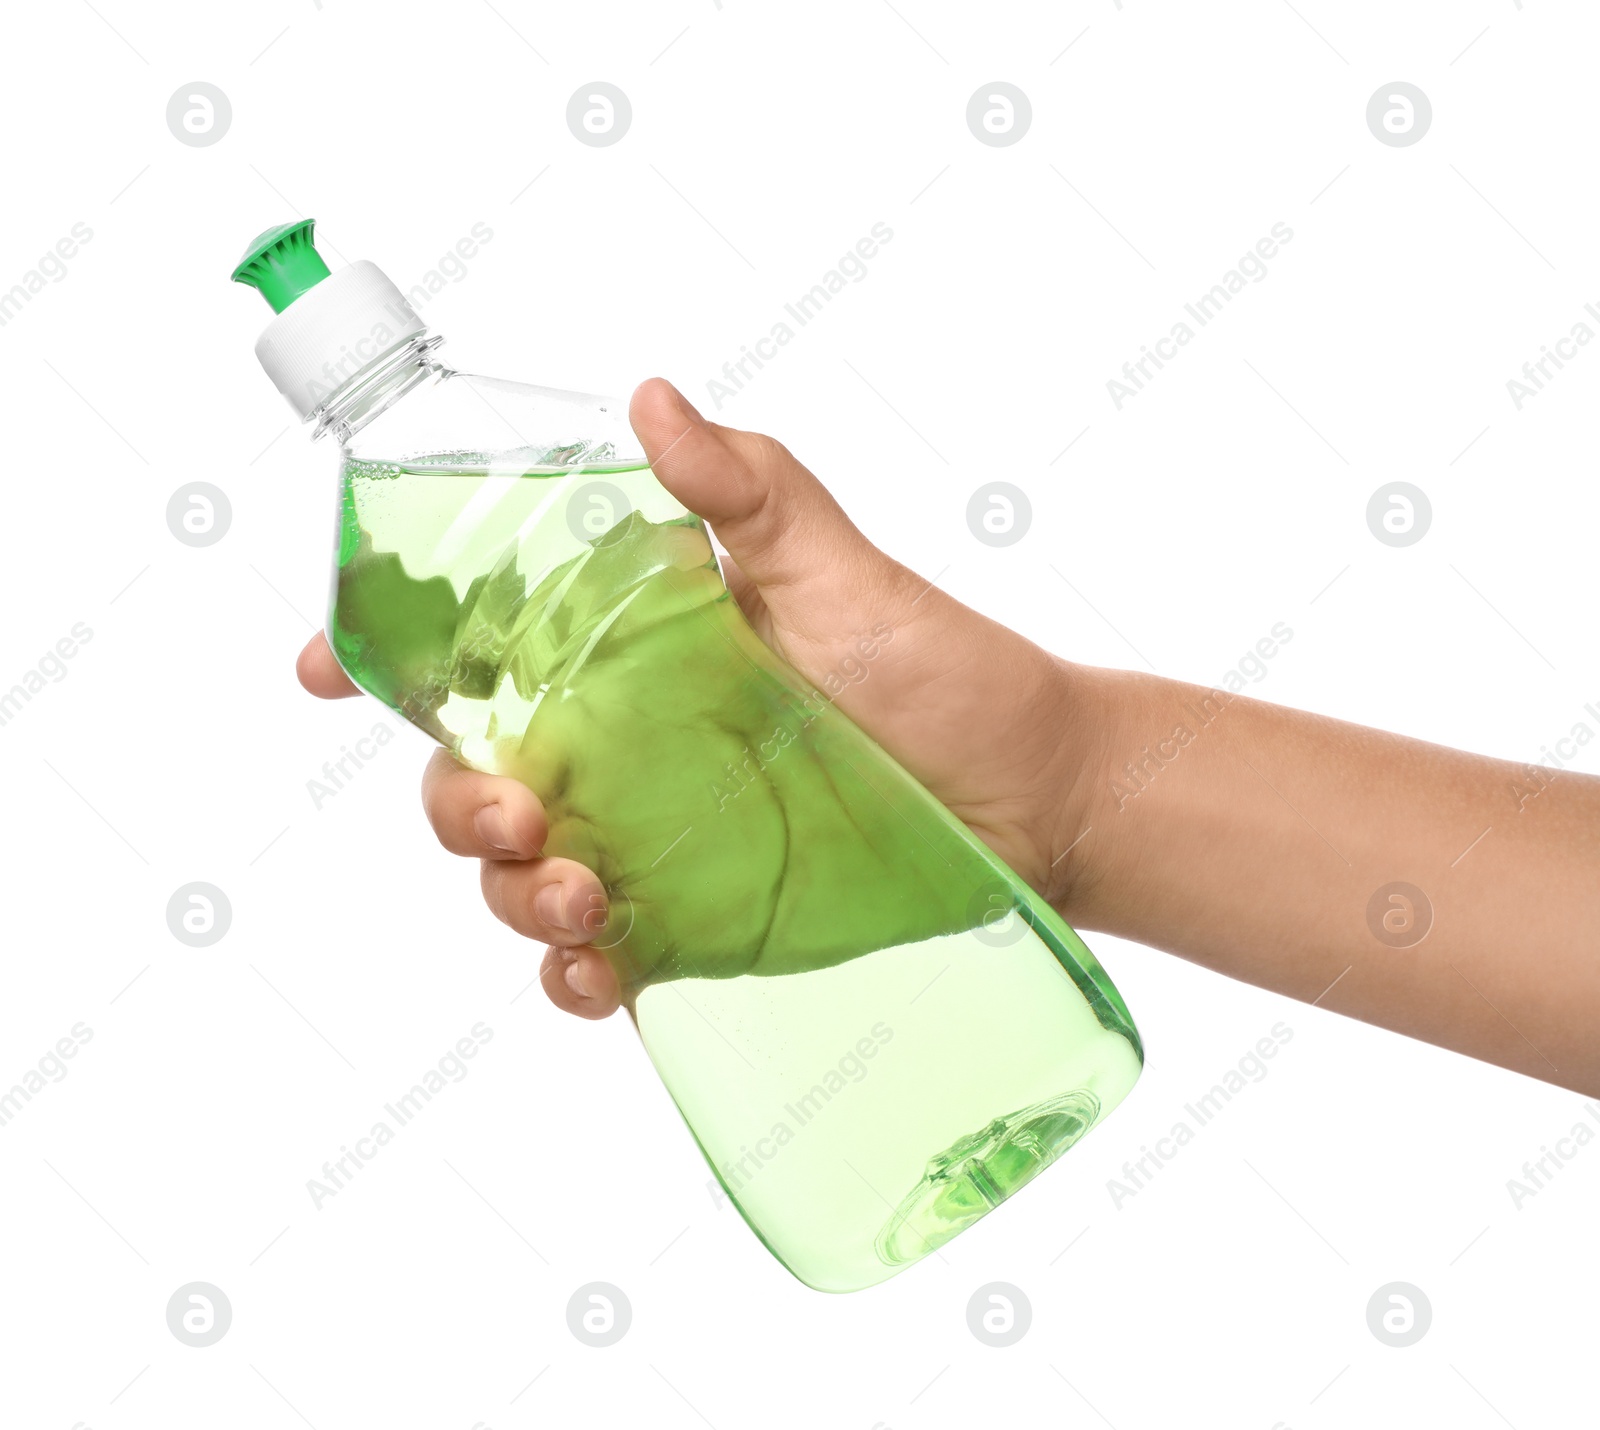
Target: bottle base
{"type": "Point", "coordinates": [972, 1176]}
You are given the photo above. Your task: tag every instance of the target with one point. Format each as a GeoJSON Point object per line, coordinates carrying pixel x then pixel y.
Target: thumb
{"type": "Point", "coordinates": [777, 520]}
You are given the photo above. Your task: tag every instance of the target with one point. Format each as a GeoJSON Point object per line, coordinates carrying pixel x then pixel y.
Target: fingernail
{"type": "Point", "coordinates": [575, 979]}
{"type": "Point", "coordinates": [550, 906]}
{"type": "Point", "coordinates": [489, 823]}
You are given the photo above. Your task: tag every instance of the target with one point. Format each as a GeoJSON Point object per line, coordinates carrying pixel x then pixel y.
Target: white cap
{"type": "Point", "coordinates": [332, 331]}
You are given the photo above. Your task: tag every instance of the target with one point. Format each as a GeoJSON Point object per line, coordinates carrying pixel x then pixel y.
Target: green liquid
{"type": "Point", "coordinates": [875, 1031]}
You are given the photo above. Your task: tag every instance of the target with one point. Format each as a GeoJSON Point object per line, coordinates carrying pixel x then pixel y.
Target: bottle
{"type": "Point", "coordinates": [875, 1031]}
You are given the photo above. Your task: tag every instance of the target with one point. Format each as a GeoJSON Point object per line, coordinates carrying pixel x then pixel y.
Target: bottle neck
{"type": "Point", "coordinates": [377, 387]}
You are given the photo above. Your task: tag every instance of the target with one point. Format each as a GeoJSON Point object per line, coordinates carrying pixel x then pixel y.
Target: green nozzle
{"type": "Point", "coordinates": [282, 263]}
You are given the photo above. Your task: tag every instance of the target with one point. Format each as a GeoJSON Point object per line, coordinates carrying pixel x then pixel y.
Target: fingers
{"type": "Point", "coordinates": [320, 673]}
{"type": "Point", "coordinates": [580, 981]}
{"type": "Point", "coordinates": [501, 822]}
{"type": "Point", "coordinates": [779, 522]}
{"type": "Point", "coordinates": [554, 900]}
{"type": "Point", "coordinates": [481, 816]}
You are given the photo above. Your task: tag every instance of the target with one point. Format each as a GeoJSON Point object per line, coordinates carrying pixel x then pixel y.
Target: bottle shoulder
{"type": "Point", "coordinates": [477, 419]}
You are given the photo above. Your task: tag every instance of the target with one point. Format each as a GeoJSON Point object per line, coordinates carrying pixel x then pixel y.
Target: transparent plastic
{"type": "Point", "coordinates": [875, 1030]}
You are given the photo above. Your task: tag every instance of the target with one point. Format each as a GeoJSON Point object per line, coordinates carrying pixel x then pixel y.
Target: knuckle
{"type": "Point", "coordinates": [763, 452]}
{"type": "Point", "coordinates": [492, 883]}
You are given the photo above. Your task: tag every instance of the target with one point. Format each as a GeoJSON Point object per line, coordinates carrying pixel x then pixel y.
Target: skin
{"type": "Point", "coordinates": [1255, 847]}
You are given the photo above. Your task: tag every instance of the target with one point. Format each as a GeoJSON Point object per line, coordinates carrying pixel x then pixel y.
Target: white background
{"type": "Point", "coordinates": [766, 139]}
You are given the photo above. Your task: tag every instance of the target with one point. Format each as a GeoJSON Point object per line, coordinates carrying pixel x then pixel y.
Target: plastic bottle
{"type": "Point", "coordinates": [874, 1029]}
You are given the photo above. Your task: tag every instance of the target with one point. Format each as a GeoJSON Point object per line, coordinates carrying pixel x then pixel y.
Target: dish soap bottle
{"type": "Point", "coordinates": [874, 1029]}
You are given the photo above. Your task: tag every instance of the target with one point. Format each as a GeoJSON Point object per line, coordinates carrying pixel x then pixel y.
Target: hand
{"type": "Point", "coordinates": [1251, 838]}
{"type": "Point", "coordinates": [970, 708]}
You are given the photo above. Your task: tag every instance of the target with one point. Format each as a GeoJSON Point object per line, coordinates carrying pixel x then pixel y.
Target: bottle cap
{"type": "Point", "coordinates": [282, 263]}
{"type": "Point", "coordinates": [329, 325]}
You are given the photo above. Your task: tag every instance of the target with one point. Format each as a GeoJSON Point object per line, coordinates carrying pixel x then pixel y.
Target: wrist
{"type": "Point", "coordinates": [1097, 708]}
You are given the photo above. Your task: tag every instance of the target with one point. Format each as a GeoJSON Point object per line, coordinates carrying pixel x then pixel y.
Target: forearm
{"type": "Point", "coordinates": [1256, 840]}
